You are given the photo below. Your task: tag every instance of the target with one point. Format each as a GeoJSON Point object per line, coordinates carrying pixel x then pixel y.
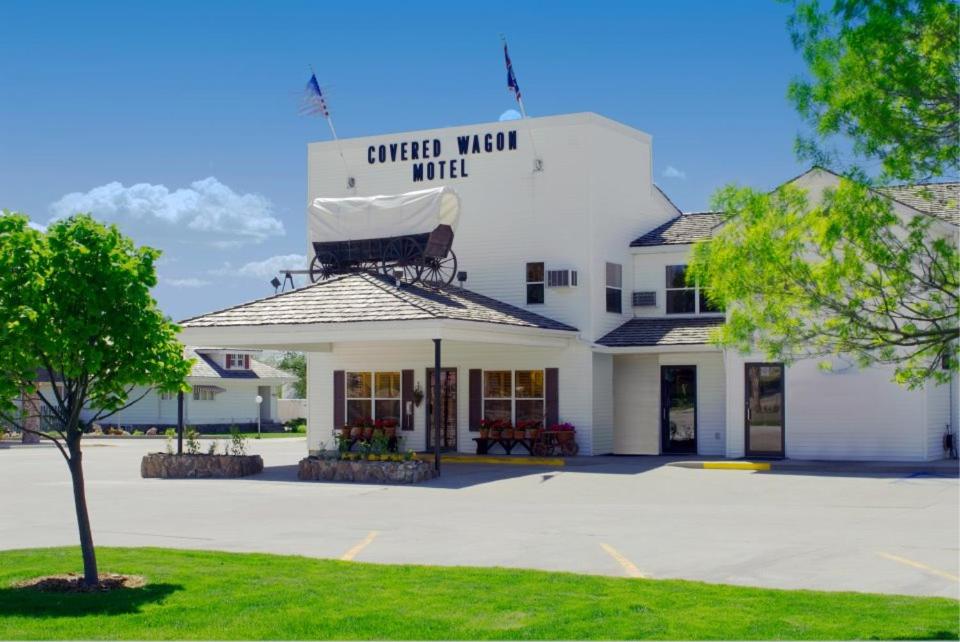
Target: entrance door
{"type": "Point", "coordinates": [264, 392]}
{"type": "Point", "coordinates": [678, 409]}
{"type": "Point", "coordinates": [763, 412]}
{"type": "Point", "coordinates": [448, 409]}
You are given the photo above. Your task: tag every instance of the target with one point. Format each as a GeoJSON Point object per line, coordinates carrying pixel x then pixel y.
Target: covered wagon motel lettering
{"type": "Point", "coordinates": [427, 152]}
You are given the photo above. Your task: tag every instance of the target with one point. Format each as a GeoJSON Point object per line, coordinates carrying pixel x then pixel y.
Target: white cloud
{"type": "Point", "coordinates": [673, 172]}
{"type": "Point", "coordinates": [37, 226]}
{"type": "Point", "coordinates": [189, 282]}
{"type": "Point", "coordinates": [511, 114]}
{"type": "Point", "coordinates": [206, 207]}
{"type": "Point", "coordinates": [265, 269]}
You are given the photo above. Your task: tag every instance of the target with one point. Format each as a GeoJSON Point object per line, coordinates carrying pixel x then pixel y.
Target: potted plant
{"type": "Point", "coordinates": [390, 428]}
{"type": "Point", "coordinates": [565, 432]}
{"type": "Point", "coordinates": [345, 431]}
{"type": "Point", "coordinates": [506, 430]}
{"type": "Point", "coordinates": [484, 429]}
{"type": "Point", "coordinates": [495, 427]}
{"type": "Point", "coordinates": [368, 425]}
{"type": "Point", "coordinates": [356, 430]}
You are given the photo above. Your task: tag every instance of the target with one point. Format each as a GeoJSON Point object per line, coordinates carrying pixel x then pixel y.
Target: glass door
{"type": "Point", "coordinates": [448, 409]}
{"type": "Point", "coordinates": [763, 409]}
{"type": "Point", "coordinates": [678, 409]}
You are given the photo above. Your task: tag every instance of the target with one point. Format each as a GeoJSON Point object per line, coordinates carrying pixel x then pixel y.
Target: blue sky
{"type": "Point", "coordinates": [197, 105]}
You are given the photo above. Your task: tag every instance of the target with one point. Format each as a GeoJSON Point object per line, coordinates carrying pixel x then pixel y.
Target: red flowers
{"type": "Point", "coordinates": [564, 427]}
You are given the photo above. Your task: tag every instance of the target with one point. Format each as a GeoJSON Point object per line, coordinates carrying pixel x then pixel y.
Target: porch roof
{"type": "Point", "coordinates": [661, 332]}
{"type": "Point", "coordinates": [369, 307]}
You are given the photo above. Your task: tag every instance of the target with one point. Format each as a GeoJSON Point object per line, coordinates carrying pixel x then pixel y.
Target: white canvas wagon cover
{"type": "Point", "coordinates": [367, 217]}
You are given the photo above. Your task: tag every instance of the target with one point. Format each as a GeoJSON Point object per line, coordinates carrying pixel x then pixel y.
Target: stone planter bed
{"type": "Point", "coordinates": [373, 472]}
{"type": "Point", "coordinates": [166, 466]}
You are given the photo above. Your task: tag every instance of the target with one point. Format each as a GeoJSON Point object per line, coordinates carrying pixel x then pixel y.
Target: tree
{"type": "Point", "coordinates": [296, 364]}
{"type": "Point", "coordinates": [846, 271]}
{"type": "Point", "coordinates": [75, 305]}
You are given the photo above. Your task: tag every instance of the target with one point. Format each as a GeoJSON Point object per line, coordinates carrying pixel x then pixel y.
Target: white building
{"type": "Point", "coordinates": [619, 349]}
{"type": "Point", "coordinates": [225, 384]}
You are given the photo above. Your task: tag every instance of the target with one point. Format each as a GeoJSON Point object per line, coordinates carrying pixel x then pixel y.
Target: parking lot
{"type": "Point", "coordinates": [626, 516]}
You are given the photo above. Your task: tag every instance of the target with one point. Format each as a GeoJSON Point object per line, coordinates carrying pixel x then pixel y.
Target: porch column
{"type": "Point", "coordinates": [180, 422]}
{"type": "Point", "coordinates": [436, 405]}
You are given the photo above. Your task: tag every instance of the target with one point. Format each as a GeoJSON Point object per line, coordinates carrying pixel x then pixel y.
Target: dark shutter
{"type": "Point", "coordinates": [476, 399]}
{"type": "Point", "coordinates": [552, 393]}
{"type": "Point", "coordinates": [406, 397]}
{"type": "Point", "coordinates": [339, 400]}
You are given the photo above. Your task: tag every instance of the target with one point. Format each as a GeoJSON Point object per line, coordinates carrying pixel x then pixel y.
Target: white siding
{"type": "Point", "coordinates": [636, 414]}
{"type": "Point", "coordinates": [602, 404]}
{"type": "Point", "coordinates": [850, 415]}
{"type": "Point", "coordinates": [575, 366]}
{"type": "Point", "coordinates": [592, 198]}
{"type": "Point", "coordinates": [938, 416]}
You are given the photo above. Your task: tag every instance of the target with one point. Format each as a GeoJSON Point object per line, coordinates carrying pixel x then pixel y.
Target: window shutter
{"type": "Point", "coordinates": [552, 395]}
{"type": "Point", "coordinates": [406, 397]}
{"type": "Point", "coordinates": [339, 400]}
{"type": "Point", "coordinates": [246, 361]}
{"type": "Point", "coordinates": [476, 399]}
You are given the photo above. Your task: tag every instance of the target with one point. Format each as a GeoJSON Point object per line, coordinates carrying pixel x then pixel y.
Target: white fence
{"type": "Point", "coordinates": [288, 409]}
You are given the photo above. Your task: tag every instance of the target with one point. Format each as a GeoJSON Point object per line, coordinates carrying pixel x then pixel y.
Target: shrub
{"type": "Point", "coordinates": [170, 432]}
{"type": "Point", "coordinates": [212, 448]}
{"type": "Point", "coordinates": [193, 443]}
{"type": "Point", "coordinates": [238, 443]}
{"type": "Point", "coordinates": [297, 425]}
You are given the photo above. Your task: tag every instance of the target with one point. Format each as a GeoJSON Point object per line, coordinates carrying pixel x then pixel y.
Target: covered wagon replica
{"type": "Point", "coordinates": [407, 236]}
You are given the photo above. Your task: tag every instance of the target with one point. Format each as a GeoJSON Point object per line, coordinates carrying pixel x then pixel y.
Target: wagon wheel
{"type": "Point", "coordinates": [540, 449]}
{"type": "Point", "coordinates": [323, 266]}
{"type": "Point", "coordinates": [439, 272]}
{"type": "Point", "coordinates": [368, 266]}
{"type": "Point", "coordinates": [403, 253]}
{"type": "Point", "coordinates": [570, 449]}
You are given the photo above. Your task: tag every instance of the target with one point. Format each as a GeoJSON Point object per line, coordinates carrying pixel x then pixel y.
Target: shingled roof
{"type": "Point", "coordinates": [937, 199]}
{"type": "Point", "coordinates": [682, 230]}
{"type": "Point", "coordinates": [640, 331]}
{"type": "Point", "coordinates": [205, 367]}
{"type": "Point", "coordinates": [362, 296]}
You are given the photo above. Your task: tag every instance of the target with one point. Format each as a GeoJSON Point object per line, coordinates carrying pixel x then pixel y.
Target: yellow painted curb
{"type": "Point", "coordinates": [511, 461]}
{"type": "Point", "coordinates": [734, 465]}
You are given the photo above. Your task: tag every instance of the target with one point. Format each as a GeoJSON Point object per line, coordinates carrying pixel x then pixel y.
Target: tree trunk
{"type": "Point", "coordinates": [90, 575]}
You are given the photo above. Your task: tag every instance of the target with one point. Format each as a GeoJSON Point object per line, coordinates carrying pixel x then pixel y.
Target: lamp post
{"type": "Point", "coordinates": [259, 401]}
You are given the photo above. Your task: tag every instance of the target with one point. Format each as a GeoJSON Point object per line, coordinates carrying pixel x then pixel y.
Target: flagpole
{"type": "Point", "coordinates": [537, 161]}
{"type": "Point", "coordinates": [333, 131]}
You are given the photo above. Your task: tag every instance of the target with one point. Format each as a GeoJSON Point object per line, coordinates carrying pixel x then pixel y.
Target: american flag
{"type": "Point", "coordinates": [314, 102]}
{"type": "Point", "coordinates": [512, 84]}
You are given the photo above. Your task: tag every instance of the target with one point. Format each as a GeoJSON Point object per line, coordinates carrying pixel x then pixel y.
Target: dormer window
{"type": "Point", "coordinates": [238, 361]}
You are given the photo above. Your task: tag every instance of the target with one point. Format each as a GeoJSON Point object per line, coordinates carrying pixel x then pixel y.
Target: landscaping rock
{"type": "Point", "coordinates": [167, 466]}
{"type": "Point", "coordinates": [376, 472]}
{"type": "Point", "coordinates": [151, 431]}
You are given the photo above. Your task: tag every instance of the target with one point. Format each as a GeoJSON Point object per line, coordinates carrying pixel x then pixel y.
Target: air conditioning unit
{"type": "Point", "coordinates": [561, 278]}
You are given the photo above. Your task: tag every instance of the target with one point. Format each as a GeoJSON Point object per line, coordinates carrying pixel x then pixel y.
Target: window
{"type": "Point", "coordinates": [200, 393]}
{"type": "Point", "coordinates": [513, 396]}
{"type": "Point", "coordinates": [238, 361]}
{"type": "Point", "coordinates": [614, 288]}
{"type": "Point", "coordinates": [167, 396]}
{"type": "Point", "coordinates": [373, 394]}
{"type": "Point", "coordinates": [535, 283]}
{"type": "Point", "coordinates": [683, 298]}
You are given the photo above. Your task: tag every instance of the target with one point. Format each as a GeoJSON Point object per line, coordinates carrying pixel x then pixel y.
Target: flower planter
{"type": "Point", "coordinates": [165, 466]}
{"type": "Point", "coordinates": [371, 472]}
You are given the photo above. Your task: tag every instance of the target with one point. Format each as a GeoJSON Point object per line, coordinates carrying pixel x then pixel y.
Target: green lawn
{"type": "Point", "coordinates": [264, 435]}
{"type": "Point", "coordinates": [204, 595]}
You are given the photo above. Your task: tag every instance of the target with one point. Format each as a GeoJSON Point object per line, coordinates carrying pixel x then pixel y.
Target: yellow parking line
{"type": "Point", "coordinates": [353, 552]}
{"type": "Point", "coordinates": [628, 566]}
{"type": "Point", "coordinates": [735, 465]}
{"type": "Point", "coordinates": [922, 567]}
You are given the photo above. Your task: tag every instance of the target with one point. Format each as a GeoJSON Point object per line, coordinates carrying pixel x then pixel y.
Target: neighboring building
{"type": "Point", "coordinates": [225, 384]}
{"type": "Point", "coordinates": [574, 309]}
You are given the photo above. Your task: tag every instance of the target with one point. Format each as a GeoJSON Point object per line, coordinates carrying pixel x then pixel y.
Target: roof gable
{"type": "Point", "coordinates": [681, 230]}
